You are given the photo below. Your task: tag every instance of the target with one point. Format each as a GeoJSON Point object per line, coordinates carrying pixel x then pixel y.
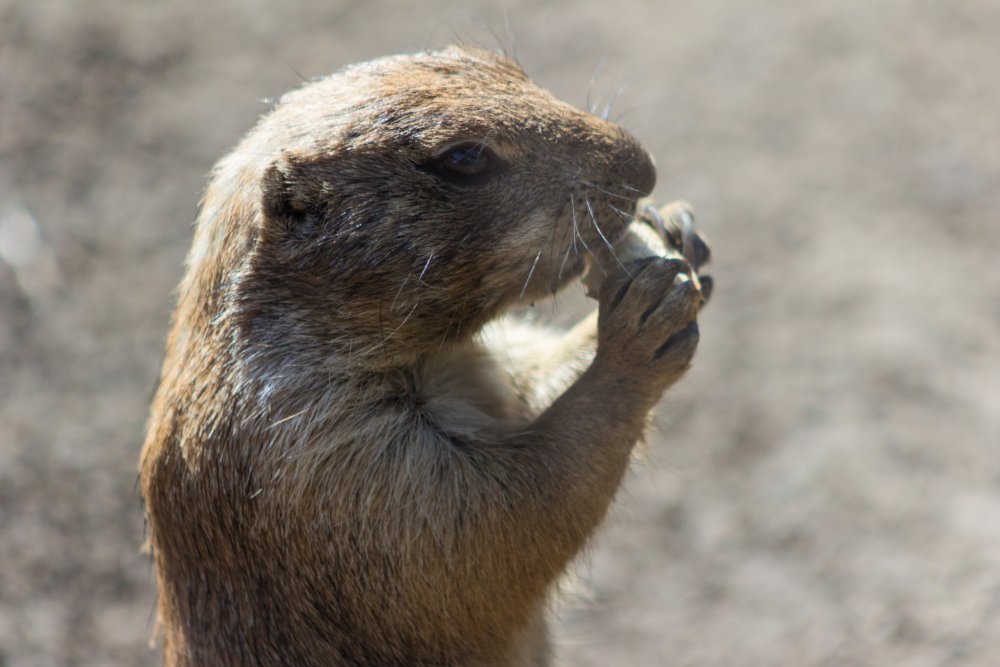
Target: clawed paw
{"type": "Point", "coordinates": [675, 224]}
{"type": "Point", "coordinates": [648, 312]}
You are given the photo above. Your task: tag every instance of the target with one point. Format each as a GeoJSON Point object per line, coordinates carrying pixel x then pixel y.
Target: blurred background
{"type": "Point", "coordinates": [822, 489]}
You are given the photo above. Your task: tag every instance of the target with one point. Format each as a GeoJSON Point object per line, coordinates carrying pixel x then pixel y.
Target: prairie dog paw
{"type": "Point", "coordinates": [675, 224]}
{"type": "Point", "coordinates": [648, 317]}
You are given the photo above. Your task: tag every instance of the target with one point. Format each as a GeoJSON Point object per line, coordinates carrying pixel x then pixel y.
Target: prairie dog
{"type": "Point", "coordinates": [343, 464]}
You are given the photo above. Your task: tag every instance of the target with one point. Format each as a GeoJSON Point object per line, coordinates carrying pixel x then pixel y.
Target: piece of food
{"type": "Point", "coordinates": [664, 232]}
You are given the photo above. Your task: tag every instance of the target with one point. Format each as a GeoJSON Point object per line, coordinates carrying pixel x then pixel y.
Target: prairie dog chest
{"type": "Point", "coordinates": [469, 389]}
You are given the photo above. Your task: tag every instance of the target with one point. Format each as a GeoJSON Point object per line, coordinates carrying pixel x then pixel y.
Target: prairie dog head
{"type": "Point", "coordinates": [404, 202]}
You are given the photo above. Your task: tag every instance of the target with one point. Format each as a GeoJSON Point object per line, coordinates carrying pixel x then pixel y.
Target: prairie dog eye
{"type": "Point", "coordinates": [466, 163]}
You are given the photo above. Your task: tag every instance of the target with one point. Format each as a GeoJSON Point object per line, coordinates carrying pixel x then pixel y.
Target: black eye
{"type": "Point", "coordinates": [466, 163]}
{"type": "Point", "coordinates": [466, 159]}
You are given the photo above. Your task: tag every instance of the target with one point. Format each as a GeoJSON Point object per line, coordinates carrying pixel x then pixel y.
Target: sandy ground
{"type": "Point", "coordinates": [823, 489]}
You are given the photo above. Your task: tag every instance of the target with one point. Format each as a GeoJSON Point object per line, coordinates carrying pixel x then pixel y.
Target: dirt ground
{"type": "Point", "coordinates": [823, 488]}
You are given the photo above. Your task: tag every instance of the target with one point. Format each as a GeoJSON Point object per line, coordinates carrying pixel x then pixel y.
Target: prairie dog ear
{"type": "Point", "coordinates": [283, 196]}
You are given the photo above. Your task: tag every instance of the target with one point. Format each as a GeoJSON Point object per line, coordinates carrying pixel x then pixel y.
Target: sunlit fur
{"type": "Point", "coordinates": [342, 467]}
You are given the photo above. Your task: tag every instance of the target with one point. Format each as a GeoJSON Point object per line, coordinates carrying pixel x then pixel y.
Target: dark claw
{"type": "Point", "coordinates": [700, 252]}
{"type": "Point", "coordinates": [706, 288]}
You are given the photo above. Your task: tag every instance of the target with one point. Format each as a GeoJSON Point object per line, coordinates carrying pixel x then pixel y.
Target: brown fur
{"type": "Point", "coordinates": [342, 467]}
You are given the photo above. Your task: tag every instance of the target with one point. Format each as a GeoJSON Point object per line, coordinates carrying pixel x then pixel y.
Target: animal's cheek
{"type": "Point", "coordinates": [526, 235]}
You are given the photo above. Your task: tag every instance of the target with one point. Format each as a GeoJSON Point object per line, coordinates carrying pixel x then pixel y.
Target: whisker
{"type": "Point", "coordinates": [618, 119]}
{"type": "Point", "coordinates": [420, 279]}
{"type": "Point", "coordinates": [530, 273]}
{"type": "Point", "coordinates": [565, 259]}
{"type": "Point", "coordinates": [496, 37]}
{"type": "Point", "coordinates": [611, 248]}
{"type": "Point", "coordinates": [642, 193]}
{"type": "Point", "coordinates": [624, 214]}
{"type": "Point", "coordinates": [590, 88]}
{"type": "Point", "coordinates": [568, 247]}
{"type": "Point", "coordinates": [552, 241]}
{"type": "Point", "coordinates": [511, 42]}
{"type": "Point", "coordinates": [576, 231]}
{"type": "Point", "coordinates": [597, 187]}
{"type": "Point", "coordinates": [426, 266]}
{"type": "Point", "coordinates": [611, 102]}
